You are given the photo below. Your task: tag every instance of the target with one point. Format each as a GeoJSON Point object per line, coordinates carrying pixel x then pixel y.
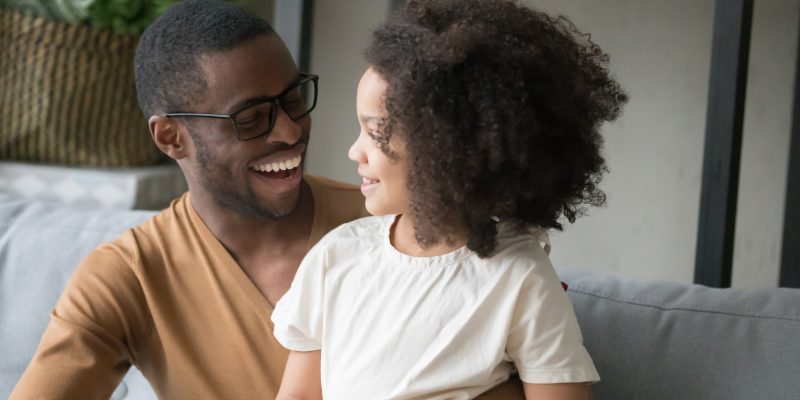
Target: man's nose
{"type": "Point", "coordinates": [286, 129]}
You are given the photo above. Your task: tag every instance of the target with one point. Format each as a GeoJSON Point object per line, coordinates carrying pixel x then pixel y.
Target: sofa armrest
{"type": "Point", "coordinates": [665, 341]}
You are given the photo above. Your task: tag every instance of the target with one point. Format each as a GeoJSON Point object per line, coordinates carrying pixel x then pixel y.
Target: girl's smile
{"type": "Point", "coordinates": [384, 182]}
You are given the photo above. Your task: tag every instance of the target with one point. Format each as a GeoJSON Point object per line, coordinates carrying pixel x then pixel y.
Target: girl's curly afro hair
{"type": "Point", "coordinates": [498, 108]}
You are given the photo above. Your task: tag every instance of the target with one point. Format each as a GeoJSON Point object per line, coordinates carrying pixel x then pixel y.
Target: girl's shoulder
{"type": "Point", "coordinates": [363, 226]}
{"type": "Point", "coordinates": [366, 229]}
{"type": "Point", "coordinates": [514, 239]}
{"type": "Point", "coordinates": [523, 255]}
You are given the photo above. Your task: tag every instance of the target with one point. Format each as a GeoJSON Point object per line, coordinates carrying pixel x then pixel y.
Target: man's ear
{"type": "Point", "coordinates": [167, 135]}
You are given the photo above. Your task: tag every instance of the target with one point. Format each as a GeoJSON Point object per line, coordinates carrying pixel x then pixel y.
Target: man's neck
{"type": "Point", "coordinates": [246, 236]}
{"type": "Point", "coordinates": [267, 251]}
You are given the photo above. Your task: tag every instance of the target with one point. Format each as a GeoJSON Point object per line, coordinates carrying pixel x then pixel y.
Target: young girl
{"type": "Point", "coordinates": [479, 130]}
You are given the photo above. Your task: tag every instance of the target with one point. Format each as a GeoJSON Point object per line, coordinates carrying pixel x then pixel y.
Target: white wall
{"type": "Point", "coordinates": [339, 36]}
{"type": "Point", "coordinates": [660, 52]}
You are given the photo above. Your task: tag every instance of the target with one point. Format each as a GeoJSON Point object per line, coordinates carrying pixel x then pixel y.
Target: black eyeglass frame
{"type": "Point", "coordinates": [276, 102]}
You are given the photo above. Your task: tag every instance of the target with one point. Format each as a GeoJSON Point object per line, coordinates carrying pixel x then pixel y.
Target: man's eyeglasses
{"type": "Point", "coordinates": [255, 120]}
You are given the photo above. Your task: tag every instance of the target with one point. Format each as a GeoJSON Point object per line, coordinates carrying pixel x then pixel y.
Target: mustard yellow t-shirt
{"type": "Point", "coordinates": [167, 297]}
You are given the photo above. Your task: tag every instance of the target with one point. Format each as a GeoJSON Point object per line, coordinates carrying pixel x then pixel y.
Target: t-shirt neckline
{"type": "Point", "coordinates": [439, 261]}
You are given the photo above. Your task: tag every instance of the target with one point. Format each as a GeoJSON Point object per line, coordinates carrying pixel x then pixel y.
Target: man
{"type": "Point", "coordinates": [187, 296]}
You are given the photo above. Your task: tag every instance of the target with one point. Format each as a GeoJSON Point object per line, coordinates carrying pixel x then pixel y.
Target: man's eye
{"type": "Point", "coordinates": [294, 104]}
{"type": "Point", "coordinates": [254, 115]}
{"type": "Point", "coordinates": [292, 96]}
{"type": "Point", "coordinates": [251, 117]}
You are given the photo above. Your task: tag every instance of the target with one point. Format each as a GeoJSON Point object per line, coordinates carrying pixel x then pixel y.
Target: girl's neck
{"type": "Point", "coordinates": [401, 236]}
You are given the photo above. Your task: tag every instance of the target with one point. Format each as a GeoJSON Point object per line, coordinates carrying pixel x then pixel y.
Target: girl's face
{"type": "Point", "coordinates": [384, 178]}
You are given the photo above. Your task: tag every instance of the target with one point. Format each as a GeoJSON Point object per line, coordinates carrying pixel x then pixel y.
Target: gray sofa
{"type": "Point", "coordinates": [649, 340]}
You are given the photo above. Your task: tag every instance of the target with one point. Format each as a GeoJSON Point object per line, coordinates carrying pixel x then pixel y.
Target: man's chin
{"type": "Point", "coordinates": [282, 207]}
{"type": "Point", "coordinates": [252, 206]}
{"type": "Point", "coordinates": [272, 213]}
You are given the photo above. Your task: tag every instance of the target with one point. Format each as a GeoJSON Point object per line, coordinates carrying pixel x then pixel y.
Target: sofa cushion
{"type": "Point", "coordinates": [40, 245]}
{"type": "Point", "coordinates": [146, 188]}
{"type": "Point", "coordinates": [666, 341]}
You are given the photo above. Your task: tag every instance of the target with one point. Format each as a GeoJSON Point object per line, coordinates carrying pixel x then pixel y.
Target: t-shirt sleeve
{"type": "Point", "coordinates": [298, 315]}
{"type": "Point", "coordinates": [544, 340]}
{"type": "Point", "coordinates": [87, 347]}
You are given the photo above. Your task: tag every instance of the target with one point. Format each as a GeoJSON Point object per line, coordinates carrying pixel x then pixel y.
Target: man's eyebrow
{"type": "Point", "coordinates": [249, 102]}
{"type": "Point", "coordinates": [241, 105]}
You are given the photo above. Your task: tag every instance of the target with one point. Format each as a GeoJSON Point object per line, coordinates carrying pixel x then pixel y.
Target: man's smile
{"type": "Point", "coordinates": [280, 165]}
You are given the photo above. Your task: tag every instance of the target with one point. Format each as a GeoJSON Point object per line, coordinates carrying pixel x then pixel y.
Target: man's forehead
{"type": "Point", "coordinates": [256, 68]}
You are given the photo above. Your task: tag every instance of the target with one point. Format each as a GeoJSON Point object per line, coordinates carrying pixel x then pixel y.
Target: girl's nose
{"type": "Point", "coordinates": [355, 152]}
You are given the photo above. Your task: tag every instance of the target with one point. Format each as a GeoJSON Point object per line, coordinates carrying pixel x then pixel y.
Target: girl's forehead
{"type": "Point", "coordinates": [371, 94]}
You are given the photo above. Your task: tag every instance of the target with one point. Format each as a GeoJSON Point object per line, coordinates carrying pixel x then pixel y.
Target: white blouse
{"type": "Point", "coordinates": [394, 326]}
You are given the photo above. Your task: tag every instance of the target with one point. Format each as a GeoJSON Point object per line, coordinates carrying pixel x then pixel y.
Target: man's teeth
{"type": "Point", "coordinates": [280, 165]}
{"type": "Point", "coordinates": [368, 181]}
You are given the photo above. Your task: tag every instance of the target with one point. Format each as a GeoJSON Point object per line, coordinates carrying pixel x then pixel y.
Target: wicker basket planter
{"type": "Point", "coordinates": [67, 95]}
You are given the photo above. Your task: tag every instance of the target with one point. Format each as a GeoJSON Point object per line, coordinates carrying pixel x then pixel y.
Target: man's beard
{"type": "Point", "coordinates": [220, 183]}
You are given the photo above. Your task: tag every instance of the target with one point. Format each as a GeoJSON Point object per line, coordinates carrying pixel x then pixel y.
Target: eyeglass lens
{"type": "Point", "coordinates": [258, 119]}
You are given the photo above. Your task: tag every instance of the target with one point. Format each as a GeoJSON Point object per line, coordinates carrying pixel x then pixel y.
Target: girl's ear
{"type": "Point", "coordinates": [168, 136]}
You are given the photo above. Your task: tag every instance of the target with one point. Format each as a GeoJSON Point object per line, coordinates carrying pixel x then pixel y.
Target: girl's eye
{"type": "Point", "coordinates": [376, 125]}
{"type": "Point", "coordinates": [375, 134]}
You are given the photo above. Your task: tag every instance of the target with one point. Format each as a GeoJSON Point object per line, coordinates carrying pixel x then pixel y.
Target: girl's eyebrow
{"type": "Point", "coordinates": [370, 118]}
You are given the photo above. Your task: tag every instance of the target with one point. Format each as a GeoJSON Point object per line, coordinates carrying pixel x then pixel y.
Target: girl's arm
{"type": "Point", "coordinates": [557, 391]}
{"type": "Point", "coordinates": [301, 378]}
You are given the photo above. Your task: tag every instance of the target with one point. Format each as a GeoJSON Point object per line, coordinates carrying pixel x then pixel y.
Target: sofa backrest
{"type": "Point", "coordinates": [40, 245]}
{"type": "Point", "coordinates": [669, 341]}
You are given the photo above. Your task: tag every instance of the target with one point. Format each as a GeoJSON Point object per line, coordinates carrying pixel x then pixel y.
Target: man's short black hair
{"type": "Point", "coordinates": [168, 74]}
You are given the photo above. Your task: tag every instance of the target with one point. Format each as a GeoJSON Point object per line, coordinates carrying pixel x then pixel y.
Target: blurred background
{"type": "Point", "coordinates": [660, 52]}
